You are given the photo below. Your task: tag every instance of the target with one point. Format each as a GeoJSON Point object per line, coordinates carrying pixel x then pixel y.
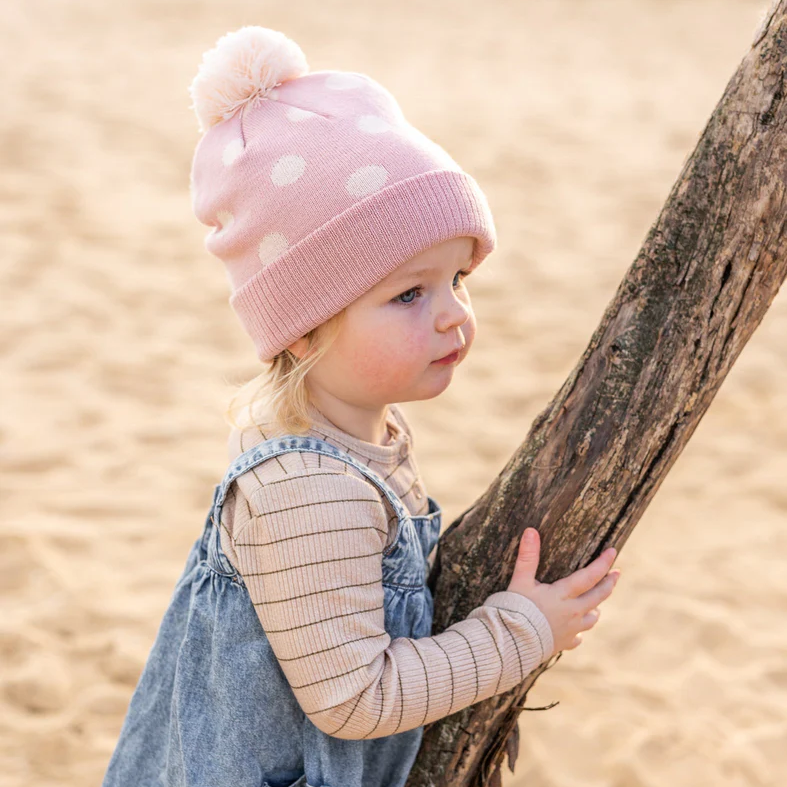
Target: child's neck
{"type": "Point", "coordinates": [365, 424]}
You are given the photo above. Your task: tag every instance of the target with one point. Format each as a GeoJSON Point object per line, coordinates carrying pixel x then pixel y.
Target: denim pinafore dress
{"type": "Point", "coordinates": [213, 707]}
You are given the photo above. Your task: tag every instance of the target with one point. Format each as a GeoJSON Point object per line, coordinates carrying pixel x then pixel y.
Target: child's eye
{"type": "Point", "coordinates": [417, 290]}
{"type": "Point", "coordinates": [463, 274]}
{"type": "Point", "coordinates": [401, 296]}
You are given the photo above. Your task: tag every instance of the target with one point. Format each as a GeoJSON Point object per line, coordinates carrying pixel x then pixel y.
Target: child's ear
{"type": "Point", "coordinates": [298, 348]}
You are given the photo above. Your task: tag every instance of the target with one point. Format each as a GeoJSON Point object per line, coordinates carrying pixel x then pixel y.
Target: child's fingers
{"type": "Point", "coordinates": [527, 556]}
{"type": "Point", "coordinates": [589, 619]}
{"type": "Point", "coordinates": [594, 596]}
{"type": "Point", "coordinates": [585, 578]}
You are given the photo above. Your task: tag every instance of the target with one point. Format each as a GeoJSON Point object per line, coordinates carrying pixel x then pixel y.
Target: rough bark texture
{"type": "Point", "coordinates": [705, 276]}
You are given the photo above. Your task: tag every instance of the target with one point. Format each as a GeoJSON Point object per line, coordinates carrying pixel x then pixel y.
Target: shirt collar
{"type": "Point", "coordinates": [391, 452]}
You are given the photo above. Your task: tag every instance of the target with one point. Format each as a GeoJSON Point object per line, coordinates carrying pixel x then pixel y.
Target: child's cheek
{"type": "Point", "coordinates": [371, 365]}
{"type": "Point", "coordinates": [411, 349]}
{"type": "Point", "coordinates": [390, 363]}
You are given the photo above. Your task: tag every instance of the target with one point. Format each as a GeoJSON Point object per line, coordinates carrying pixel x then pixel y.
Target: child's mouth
{"type": "Point", "coordinates": [448, 358]}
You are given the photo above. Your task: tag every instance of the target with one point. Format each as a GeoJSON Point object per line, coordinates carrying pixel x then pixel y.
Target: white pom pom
{"type": "Point", "coordinates": [244, 66]}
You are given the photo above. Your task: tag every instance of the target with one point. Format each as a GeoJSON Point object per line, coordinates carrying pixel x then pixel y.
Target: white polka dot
{"type": "Point", "coordinates": [273, 245]}
{"type": "Point", "coordinates": [287, 170]}
{"type": "Point", "coordinates": [366, 180]}
{"type": "Point", "coordinates": [372, 124]}
{"type": "Point", "coordinates": [343, 82]}
{"type": "Point", "coordinates": [225, 219]}
{"type": "Point", "coordinates": [231, 151]}
{"type": "Point", "coordinates": [273, 94]}
{"type": "Point", "coordinates": [296, 114]}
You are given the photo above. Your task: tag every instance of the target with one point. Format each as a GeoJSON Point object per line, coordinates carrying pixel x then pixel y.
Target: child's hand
{"type": "Point", "coordinates": [570, 604]}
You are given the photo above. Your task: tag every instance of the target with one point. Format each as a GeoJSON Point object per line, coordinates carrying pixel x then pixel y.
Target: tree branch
{"type": "Point", "coordinates": [707, 272]}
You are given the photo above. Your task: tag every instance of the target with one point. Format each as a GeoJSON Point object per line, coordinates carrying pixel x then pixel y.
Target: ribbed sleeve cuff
{"type": "Point", "coordinates": [516, 602]}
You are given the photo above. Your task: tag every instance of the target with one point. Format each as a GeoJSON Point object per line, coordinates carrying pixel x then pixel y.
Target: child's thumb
{"type": "Point", "coordinates": [527, 557]}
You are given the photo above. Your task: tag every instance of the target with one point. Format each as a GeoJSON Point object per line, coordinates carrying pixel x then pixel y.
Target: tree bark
{"type": "Point", "coordinates": [706, 274]}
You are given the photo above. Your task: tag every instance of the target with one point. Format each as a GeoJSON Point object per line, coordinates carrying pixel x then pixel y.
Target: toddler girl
{"type": "Point", "coordinates": [297, 647]}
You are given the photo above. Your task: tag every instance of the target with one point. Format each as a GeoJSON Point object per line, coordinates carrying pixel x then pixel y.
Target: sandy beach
{"type": "Point", "coordinates": [121, 352]}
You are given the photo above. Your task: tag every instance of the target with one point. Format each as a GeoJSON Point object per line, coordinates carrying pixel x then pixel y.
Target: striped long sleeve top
{"type": "Point", "coordinates": [306, 532]}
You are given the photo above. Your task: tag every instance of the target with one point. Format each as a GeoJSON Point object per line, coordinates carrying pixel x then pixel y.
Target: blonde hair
{"type": "Point", "coordinates": [282, 386]}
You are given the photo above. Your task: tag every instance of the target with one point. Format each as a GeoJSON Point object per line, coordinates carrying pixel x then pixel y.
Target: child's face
{"type": "Point", "coordinates": [392, 335]}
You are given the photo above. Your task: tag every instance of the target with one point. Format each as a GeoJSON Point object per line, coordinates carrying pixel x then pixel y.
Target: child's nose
{"type": "Point", "coordinates": [455, 312]}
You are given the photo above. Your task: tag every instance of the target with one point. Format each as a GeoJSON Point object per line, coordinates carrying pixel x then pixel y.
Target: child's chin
{"type": "Point", "coordinates": [439, 382]}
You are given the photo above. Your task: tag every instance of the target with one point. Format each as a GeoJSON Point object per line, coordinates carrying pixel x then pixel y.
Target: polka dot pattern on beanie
{"type": "Point", "coordinates": [296, 114]}
{"type": "Point", "coordinates": [366, 180]}
{"type": "Point", "coordinates": [372, 124]}
{"type": "Point", "coordinates": [231, 151]}
{"type": "Point", "coordinates": [312, 182]}
{"type": "Point", "coordinates": [287, 170]}
{"type": "Point", "coordinates": [344, 82]}
{"type": "Point", "coordinates": [273, 245]}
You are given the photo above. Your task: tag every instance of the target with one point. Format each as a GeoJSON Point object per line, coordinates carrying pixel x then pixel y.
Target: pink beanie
{"type": "Point", "coordinates": [314, 185]}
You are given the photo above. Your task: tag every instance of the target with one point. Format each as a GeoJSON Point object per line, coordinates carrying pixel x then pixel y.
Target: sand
{"type": "Point", "coordinates": [120, 352]}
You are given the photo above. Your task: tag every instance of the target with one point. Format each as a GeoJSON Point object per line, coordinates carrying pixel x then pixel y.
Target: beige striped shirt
{"type": "Point", "coordinates": [306, 532]}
